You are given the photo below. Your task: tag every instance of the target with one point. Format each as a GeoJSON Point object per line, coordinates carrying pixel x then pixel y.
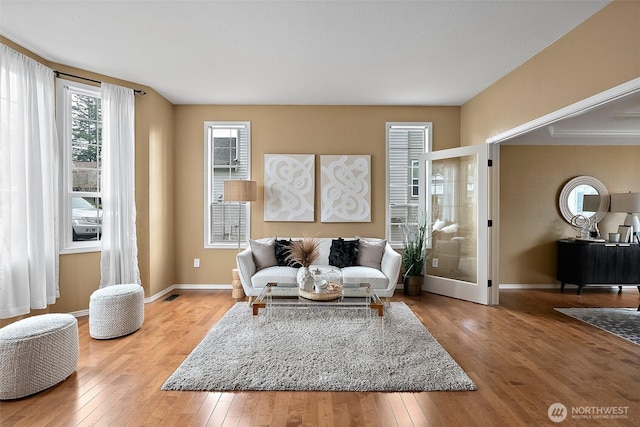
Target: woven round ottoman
{"type": "Point", "coordinates": [36, 353]}
{"type": "Point", "coordinates": [116, 311]}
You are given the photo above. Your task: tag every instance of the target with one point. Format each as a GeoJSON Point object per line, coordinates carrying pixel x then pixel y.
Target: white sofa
{"type": "Point", "coordinates": [257, 270]}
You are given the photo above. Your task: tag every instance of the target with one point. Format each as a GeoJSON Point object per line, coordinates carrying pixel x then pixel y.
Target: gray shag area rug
{"type": "Point", "coordinates": [623, 322]}
{"type": "Point", "coordinates": [319, 349]}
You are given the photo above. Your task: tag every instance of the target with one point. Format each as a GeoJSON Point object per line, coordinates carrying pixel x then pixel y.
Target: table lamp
{"type": "Point", "coordinates": [239, 190]}
{"type": "Point", "coordinates": [629, 203]}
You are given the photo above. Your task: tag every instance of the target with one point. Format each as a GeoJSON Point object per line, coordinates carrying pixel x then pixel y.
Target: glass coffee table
{"type": "Point", "coordinates": [357, 297]}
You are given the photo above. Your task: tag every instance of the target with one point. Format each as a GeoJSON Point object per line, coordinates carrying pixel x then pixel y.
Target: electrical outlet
{"type": "Point", "coordinates": [434, 263]}
{"type": "Point", "coordinates": [196, 262]}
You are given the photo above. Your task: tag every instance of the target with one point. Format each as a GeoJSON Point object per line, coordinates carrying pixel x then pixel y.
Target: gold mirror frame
{"type": "Point", "coordinates": [563, 201]}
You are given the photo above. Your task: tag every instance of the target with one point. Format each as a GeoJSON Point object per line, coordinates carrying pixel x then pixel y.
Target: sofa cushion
{"type": "Point", "coordinates": [343, 253]}
{"type": "Point", "coordinates": [370, 253]}
{"type": "Point", "coordinates": [358, 274]}
{"type": "Point", "coordinates": [264, 253]}
{"type": "Point", "coordinates": [280, 275]}
{"type": "Point", "coordinates": [282, 252]}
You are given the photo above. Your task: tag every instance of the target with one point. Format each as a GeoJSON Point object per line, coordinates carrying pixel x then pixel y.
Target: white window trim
{"type": "Point", "coordinates": [67, 245]}
{"type": "Point", "coordinates": [231, 244]}
{"type": "Point", "coordinates": [428, 127]}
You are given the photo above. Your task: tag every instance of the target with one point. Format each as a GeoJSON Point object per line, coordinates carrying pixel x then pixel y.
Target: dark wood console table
{"type": "Point", "coordinates": [593, 263]}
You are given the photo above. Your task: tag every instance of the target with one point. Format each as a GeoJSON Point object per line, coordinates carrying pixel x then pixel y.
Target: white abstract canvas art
{"type": "Point", "coordinates": [345, 183]}
{"type": "Point", "coordinates": [289, 187]}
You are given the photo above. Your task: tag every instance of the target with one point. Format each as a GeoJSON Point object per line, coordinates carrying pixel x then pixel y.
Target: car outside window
{"type": "Point", "coordinates": [86, 218]}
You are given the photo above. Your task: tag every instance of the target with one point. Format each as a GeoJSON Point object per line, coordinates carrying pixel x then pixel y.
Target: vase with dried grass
{"type": "Point", "coordinates": [304, 252]}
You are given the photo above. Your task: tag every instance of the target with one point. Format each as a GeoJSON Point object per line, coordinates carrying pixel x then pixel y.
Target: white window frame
{"type": "Point", "coordinates": [237, 169]}
{"type": "Point", "coordinates": [406, 190]}
{"type": "Point", "coordinates": [64, 90]}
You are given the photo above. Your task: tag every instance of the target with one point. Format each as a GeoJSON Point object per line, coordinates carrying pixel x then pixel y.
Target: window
{"type": "Point", "coordinates": [80, 132]}
{"type": "Point", "coordinates": [405, 143]}
{"type": "Point", "coordinates": [415, 178]}
{"type": "Point", "coordinates": [227, 148]}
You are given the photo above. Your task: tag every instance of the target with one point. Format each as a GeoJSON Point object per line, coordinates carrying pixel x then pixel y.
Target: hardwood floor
{"type": "Point", "coordinates": [522, 355]}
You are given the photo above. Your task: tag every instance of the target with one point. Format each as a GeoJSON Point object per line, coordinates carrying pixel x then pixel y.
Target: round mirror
{"type": "Point", "coordinates": [584, 195]}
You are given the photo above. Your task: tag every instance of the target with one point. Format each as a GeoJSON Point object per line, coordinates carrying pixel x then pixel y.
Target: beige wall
{"type": "Point", "coordinates": [155, 191]}
{"type": "Point", "coordinates": [601, 53]}
{"type": "Point", "coordinates": [289, 130]}
{"type": "Point", "coordinates": [530, 220]}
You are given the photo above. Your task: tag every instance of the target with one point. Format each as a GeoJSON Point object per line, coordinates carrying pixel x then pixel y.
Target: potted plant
{"type": "Point", "coordinates": [414, 258]}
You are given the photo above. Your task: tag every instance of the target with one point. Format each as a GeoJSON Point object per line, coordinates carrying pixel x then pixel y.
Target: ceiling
{"type": "Point", "coordinates": [616, 122]}
{"type": "Point", "coordinates": [296, 52]}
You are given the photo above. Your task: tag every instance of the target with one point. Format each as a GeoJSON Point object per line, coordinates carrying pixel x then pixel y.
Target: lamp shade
{"type": "Point", "coordinates": [629, 203]}
{"type": "Point", "coordinates": [240, 190]}
{"type": "Point", "coordinates": [625, 202]}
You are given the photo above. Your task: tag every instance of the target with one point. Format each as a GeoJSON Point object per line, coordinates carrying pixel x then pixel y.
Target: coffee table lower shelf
{"type": "Point", "coordinates": [354, 297]}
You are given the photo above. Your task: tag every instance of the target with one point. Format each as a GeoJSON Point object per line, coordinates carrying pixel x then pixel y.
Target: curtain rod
{"type": "Point", "coordinates": [60, 73]}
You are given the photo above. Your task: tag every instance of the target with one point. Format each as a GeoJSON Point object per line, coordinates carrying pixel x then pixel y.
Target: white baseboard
{"type": "Point", "coordinates": [162, 293]}
{"type": "Point", "coordinates": [159, 295]}
{"type": "Point", "coordinates": [202, 286]}
{"type": "Point", "coordinates": [80, 313]}
{"type": "Point", "coordinates": [568, 286]}
{"type": "Point", "coordinates": [187, 286]}
{"type": "Point", "coordinates": [529, 286]}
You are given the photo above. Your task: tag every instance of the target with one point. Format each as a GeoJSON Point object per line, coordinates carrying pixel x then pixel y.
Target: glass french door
{"type": "Point", "coordinates": [454, 193]}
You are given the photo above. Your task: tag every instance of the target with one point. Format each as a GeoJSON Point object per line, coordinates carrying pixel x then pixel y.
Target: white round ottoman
{"type": "Point", "coordinates": [115, 311]}
{"type": "Point", "coordinates": [36, 353]}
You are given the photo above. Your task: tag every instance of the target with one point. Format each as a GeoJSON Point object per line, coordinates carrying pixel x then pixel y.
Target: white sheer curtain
{"type": "Point", "coordinates": [119, 262]}
{"type": "Point", "coordinates": [28, 185]}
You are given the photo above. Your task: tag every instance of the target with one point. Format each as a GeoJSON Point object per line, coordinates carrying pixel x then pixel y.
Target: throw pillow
{"type": "Point", "coordinates": [370, 253]}
{"type": "Point", "coordinates": [343, 253]}
{"type": "Point", "coordinates": [282, 252]}
{"type": "Point", "coordinates": [451, 228]}
{"type": "Point", "coordinates": [263, 253]}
